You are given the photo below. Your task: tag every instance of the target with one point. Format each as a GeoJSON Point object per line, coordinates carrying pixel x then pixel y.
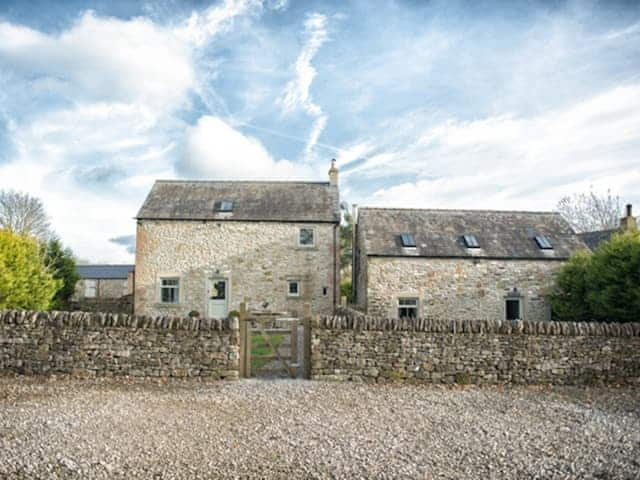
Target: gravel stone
{"type": "Point", "coordinates": [105, 428]}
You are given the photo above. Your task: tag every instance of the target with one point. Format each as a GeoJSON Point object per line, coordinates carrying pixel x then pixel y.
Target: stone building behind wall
{"type": "Point", "coordinates": [462, 264]}
{"type": "Point", "coordinates": [205, 246]}
{"type": "Point", "coordinates": [105, 288]}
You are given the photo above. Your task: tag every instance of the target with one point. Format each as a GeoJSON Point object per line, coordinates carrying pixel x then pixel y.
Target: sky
{"type": "Point", "coordinates": [427, 104]}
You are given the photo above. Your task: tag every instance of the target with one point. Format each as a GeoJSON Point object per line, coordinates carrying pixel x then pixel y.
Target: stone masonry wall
{"type": "Point", "coordinates": [258, 258]}
{"type": "Point", "coordinates": [112, 345]}
{"type": "Point", "coordinates": [492, 352]}
{"type": "Point", "coordinates": [468, 289]}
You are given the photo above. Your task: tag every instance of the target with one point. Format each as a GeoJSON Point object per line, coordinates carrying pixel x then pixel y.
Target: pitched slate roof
{"type": "Point", "coordinates": [252, 201]}
{"type": "Point", "coordinates": [593, 239]}
{"type": "Point", "coordinates": [438, 233]}
{"type": "Point", "coordinates": [104, 271]}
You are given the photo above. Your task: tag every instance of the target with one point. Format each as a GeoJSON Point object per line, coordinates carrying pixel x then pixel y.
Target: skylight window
{"type": "Point", "coordinates": [407, 240]}
{"type": "Point", "coordinates": [471, 241]}
{"type": "Point", "coordinates": [225, 206]}
{"type": "Point", "coordinates": [543, 242]}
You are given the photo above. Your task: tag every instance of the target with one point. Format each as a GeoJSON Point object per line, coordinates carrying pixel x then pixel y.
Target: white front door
{"type": "Point", "coordinates": [218, 297]}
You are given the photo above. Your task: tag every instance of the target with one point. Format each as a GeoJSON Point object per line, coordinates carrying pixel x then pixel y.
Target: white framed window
{"type": "Point", "coordinates": [408, 308]}
{"type": "Point", "coordinates": [306, 237]}
{"type": "Point", "coordinates": [90, 288]}
{"type": "Point", "coordinates": [170, 290]}
{"type": "Point", "coordinates": [293, 288]}
{"type": "Point", "coordinates": [513, 308]}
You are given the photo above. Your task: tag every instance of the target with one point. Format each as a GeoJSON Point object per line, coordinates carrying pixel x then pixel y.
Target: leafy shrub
{"type": "Point", "coordinates": [25, 280]}
{"type": "Point", "coordinates": [603, 286]}
{"type": "Point", "coordinates": [345, 290]}
{"type": "Point", "coordinates": [194, 313]}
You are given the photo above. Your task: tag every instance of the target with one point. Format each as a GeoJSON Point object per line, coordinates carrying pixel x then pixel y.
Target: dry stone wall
{"type": "Point", "coordinates": [99, 344]}
{"type": "Point", "coordinates": [484, 352]}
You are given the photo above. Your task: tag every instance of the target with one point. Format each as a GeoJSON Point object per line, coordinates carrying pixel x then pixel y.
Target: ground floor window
{"type": "Point", "coordinates": [407, 308]}
{"type": "Point", "coordinates": [170, 290]}
{"type": "Point", "coordinates": [513, 309]}
{"type": "Point", "coordinates": [294, 288]}
{"type": "Point", "coordinates": [90, 288]}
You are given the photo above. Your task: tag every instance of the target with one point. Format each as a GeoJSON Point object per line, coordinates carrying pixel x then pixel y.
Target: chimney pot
{"type": "Point", "coordinates": [333, 173]}
{"type": "Point", "coordinates": [628, 222]}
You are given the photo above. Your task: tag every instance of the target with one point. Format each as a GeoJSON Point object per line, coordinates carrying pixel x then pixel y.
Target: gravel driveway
{"type": "Point", "coordinates": [298, 429]}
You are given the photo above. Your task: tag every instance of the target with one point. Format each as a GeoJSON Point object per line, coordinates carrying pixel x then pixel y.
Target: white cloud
{"type": "Point", "coordinates": [508, 161]}
{"type": "Point", "coordinates": [92, 116]}
{"type": "Point", "coordinates": [103, 58]}
{"type": "Point", "coordinates": [214, 149]}
{"type": "Point", "coordinates": [297, 94]}
{"type": "Point", "coordinates": [202, 26]}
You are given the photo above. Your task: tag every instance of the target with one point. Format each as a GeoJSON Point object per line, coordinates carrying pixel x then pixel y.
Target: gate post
{"type": "Point", "coordinates": [306, 319]}
{"type": "Point", "coordinates": [245, 342]}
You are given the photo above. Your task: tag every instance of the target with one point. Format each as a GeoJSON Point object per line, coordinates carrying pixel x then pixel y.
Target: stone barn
{"type": "Point", "coordinates": [106, 288]}
{"type": "Point", "coordinates": [462, 264]}
{"type": "Point", "coordinates": [205, 246]}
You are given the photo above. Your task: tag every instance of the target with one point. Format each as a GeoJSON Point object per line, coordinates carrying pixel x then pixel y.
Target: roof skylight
{"type": "Point", "coordinates": [407, 240]}
{"type": "Point", "coordinates": [225, 206]}
{"type": "Point", "coordinates": [543, 242]}
{"type": "Point", "coordinates": [471, 241]}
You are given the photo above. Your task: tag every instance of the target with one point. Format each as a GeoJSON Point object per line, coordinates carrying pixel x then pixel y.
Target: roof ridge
{"type": "Point", "coordinates": [301, 182]}
{"type": "Point", "coordinates": [455, 210]}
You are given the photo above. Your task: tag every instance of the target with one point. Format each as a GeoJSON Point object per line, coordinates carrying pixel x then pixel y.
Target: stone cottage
{"type": "Point", "coordinates": [106, 288]}
{"type": "Point", "coordinates": [595, 238]}
{"type": "Point", "coordinates": [462, 264]}
{"type": "Point", "coordinates": [205, 246]}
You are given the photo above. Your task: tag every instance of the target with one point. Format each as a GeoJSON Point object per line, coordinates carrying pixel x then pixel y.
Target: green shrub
{"type": "Point", "coordinates": [345, 290]}
{"type": "Point", "coordinates": [603, 286]}
{"type": "Point", "coordinates": [25, 280]}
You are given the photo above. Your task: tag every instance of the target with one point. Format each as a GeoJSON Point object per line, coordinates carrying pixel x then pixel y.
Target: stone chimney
{"type": "Point", "coordinates": [628, 222]}
{"type": "Point", "coordinates": [333, 173]}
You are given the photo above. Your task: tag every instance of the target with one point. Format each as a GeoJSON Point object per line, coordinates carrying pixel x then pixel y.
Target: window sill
{"type": "Point", "coordinates": [309, 248]}
{"type": "Point", "coordinates": [167, 305]}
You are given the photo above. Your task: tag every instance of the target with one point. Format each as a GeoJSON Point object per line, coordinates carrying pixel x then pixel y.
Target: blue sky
{"type": "Point", "coordinates": [506, 105]}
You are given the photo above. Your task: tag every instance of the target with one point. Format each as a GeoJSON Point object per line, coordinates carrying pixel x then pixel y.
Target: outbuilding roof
{"type": "Point", "coordinates": [97, 272]}
{"type": "Point", "coordinates": [593, 239]}
{"type": "Point", "coordinates": [250, 201]}
{"type": "Point", "coordinates": [440, 233]}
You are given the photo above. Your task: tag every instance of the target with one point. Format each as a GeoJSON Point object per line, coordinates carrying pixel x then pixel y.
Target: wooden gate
{"type": "Point", "coordinates": [269, 344]}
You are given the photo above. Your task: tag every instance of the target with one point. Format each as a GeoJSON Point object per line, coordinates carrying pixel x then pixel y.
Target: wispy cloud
{"type": "Point", "coordinates": [297, 92]}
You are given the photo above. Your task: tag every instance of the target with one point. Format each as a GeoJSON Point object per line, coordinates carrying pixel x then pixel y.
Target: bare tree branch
{"type": "Point", "coordinates": [588, 212]}
{"type": "Point", "coordinates": [24, 214]}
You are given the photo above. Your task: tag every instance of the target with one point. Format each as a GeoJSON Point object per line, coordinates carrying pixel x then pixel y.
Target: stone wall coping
{"type": "Point", "coordinates": [504, 327]}
{"type": "Point", "coordinates": [81, 320]}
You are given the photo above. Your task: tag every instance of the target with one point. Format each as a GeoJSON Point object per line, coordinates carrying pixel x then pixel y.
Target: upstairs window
{"type": "Point", "coordinates": [407, 240]}
{"type": "Point", "coordinates": [471, 241]}
{"type": "Point", "coordinates": [306, 237]}
{"type": "Point", "coordinates": [407, 308]}
{"type": "Point", "coordinates": [543, 242]}
{"type": "Point", "coordinates": [169, 290]}
{"type": "Point", "coordinates": [225, 206]}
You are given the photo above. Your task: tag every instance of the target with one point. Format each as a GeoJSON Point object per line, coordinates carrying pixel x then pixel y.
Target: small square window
{"type": "Point", "coordinates": [407, 308]}
{"type": "Point", "coordinates": [90, 288]}
{"type": "Point", "coordinates": [543, 242]}
{"type": "Point", "coordinates": [513, 309]}
{"type": "Point", "coordinates": [169, 290]}
{"type": "Point", "coordinates": [294, 288]}
{"type": "Point", "coordinates": [305, 239]}
{"type": "Point", "coordinates": [407, 240]}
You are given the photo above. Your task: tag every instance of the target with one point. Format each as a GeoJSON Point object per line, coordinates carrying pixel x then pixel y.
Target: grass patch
{"type": "Point", "coordinates": [259, 346]}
